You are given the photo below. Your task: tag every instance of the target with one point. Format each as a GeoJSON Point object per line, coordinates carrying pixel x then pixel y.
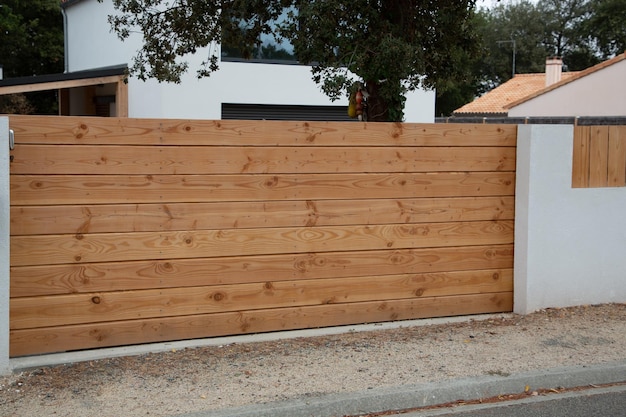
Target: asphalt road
{"type": "Point", "coordinates": [593, 402]}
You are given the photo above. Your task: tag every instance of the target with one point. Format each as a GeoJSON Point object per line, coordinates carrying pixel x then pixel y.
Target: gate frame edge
{"type": "Point", "coordinates": [5, 364]}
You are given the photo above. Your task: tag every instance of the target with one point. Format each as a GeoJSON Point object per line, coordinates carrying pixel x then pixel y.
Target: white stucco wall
{"type": "Point", "coordinates": [92, 45]}
{"type": "Point", "coordinates": [601, 93]}
{"type": "Point", "coordinates": [570, 243]}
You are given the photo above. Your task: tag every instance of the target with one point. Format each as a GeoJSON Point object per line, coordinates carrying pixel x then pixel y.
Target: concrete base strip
{"type": "Point", "coordinates": [52, 359]}
{"type": "Point", "coordinates": [424, 395]}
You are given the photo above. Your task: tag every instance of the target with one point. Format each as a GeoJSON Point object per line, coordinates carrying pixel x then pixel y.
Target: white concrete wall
{"type": "Point", "coordinates": [5, 367]}
{"type": "Point", "coordinates": [570, 243]}
{"type": "Point", "coordinates": [92, 45]}
{"type": "Point", "coordinates": [602, 93]}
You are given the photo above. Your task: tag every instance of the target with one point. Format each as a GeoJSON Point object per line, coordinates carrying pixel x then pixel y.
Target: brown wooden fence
{"type": "Point", "coordinates": [127, 231]}
{"type": "Point", "coordinates": [599, 156]}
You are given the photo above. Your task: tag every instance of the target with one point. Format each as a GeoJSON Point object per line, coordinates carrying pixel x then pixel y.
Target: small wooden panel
{"type": "Point", "coordinates": [94, 335]}
{"type": "Point", "coordinates": [128, 305]}
{"type": "Point", "coordinates": [139, 189]}
{"type": "Point", "coordinates": [599, 157]}
{"type": "Point", "coordinates": [617, 157]}
{"type": "Point", "coordinates": [196, 160]}
{"type": "Point", "coordinates": [30, 220]}
{"type": "Point", "coordinates": [123, 131]}
{"type": "Point", "coordinates": [145, 274]}
{"type": "Point", "coordinates": [108, 247]}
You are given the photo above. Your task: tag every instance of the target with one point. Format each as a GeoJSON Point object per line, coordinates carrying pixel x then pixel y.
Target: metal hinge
{"type": "Point", "coordinates": [11, 139]}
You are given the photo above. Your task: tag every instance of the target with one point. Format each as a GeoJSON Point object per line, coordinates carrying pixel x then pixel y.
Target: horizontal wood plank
{"type": "Point", "coordinates": [108, 247]}
{"type": "Point", "coordinates": [123, 276]}
{"type": "Point", "coordinates": [126, 131]}
{"type": "Point", "coordinates": [196, 160]}
{"type": "Point", "coordinates": [98, 335]}
{"type": "Point", "coordinates": [30, 220]}
{"type": "Point", "coordinates": [109, 189]}
{"type": "Point", "coordinates": [34, 312]}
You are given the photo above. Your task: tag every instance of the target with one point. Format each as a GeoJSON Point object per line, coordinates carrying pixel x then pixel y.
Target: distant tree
{"type": "Point", "coordinates": [393, 46]}
{"type": "Point", "coordinates": [607, 26]}
{"type": "Point", "coordinates": [31, 43]}
{"type": "Point", "coordinates": [565, 36]}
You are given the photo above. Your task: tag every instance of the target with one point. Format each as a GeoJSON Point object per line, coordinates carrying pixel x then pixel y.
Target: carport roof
{"type": "Point", "coordinates": [53, 81]}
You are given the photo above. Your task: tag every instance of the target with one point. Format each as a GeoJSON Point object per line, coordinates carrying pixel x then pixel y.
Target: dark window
{"type": "Point", "coordinates": [284, 112]}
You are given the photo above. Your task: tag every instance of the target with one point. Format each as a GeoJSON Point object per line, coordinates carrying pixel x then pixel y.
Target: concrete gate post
{"type": "Point", "coordinates": [5, 366]}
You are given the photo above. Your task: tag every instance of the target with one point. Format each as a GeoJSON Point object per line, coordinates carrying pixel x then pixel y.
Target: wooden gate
{"type": "Point", "coordinates": [127, 231]}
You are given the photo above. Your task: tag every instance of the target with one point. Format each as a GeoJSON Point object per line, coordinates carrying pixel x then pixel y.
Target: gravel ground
{"type": "Point", "coordinates": [206, 378]}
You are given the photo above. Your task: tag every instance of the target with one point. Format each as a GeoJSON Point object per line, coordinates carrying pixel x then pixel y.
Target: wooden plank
{"type": "Point", "coordinates": [580, 163]}
{"type": "Point", "coordinates": [55, 85]}
{"type": "Point", "coordinates": [617, 156]}
{"type": "Point", "coordinates": [109, 247]}
{"type": "Point", "coordinates": [197, 160]}
{"type": "Point", "coordinates": [124, 131]}
{"type": "Point", "coordinates": [598, 156]}
{"type": "Point", "coordinates": [97, 335]}
{"type": "Point", "coordinates": [29, 220]}
{"type": "Point", "coordinates": [169, 273]}
{"type": "Point", "coordinates": [32, 312]}
{"type": "Point", "coordinates": [121, 98]}
{"type": "Point", "coordinates": [112, 189]}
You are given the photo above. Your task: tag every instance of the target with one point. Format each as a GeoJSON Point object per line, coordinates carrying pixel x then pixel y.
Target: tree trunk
{"type": "Point", "coordinates": [377, 107]}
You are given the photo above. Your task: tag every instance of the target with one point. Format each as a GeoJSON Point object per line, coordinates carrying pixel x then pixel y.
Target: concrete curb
{"type": "Point", "coordinates": [423, 395]}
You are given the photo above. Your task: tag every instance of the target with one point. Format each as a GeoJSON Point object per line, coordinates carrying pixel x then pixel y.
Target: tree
{"type": "Point", "coordinates": [31, 43]}
{"type": "Point", "coordinates": [393, 46]}
{"type": "Point", "coordinates": [607, 26]}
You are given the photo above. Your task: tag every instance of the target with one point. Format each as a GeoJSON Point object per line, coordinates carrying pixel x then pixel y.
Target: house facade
{"type": "Point", "coordinates": [259, 88]}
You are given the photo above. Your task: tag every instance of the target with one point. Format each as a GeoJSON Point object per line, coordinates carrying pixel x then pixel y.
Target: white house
{"type": "Point", "coordinates": [597, 91]}
{"type": "Point", "coordinates": [240, 88]}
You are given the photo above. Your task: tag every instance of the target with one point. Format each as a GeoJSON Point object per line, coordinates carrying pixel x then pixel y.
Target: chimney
{"type": "Point", "coordinates": [553, 70]}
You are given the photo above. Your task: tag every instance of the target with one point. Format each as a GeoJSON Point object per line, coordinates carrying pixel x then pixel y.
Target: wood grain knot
{"type": "Point", "coordinates": [495, 276]}
{"type": "Point", "coordinates": [78, 258]}
{"type": "Point", "coordinates": [271, 182]}
{"type": "Point", "coordinates": [419, 292]}
{"type": "Point", "coordinates": [218, 296]}
{"type": "Point", "coordinates": [79, 236]}
{"type": "Point", "coordinates": [96, 300]}
{"type": "Point", "coordinates": [268, 286]}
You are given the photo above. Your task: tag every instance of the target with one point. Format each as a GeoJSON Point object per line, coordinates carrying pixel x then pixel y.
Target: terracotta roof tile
{"type": "Point", "coordinates": [515, 89]}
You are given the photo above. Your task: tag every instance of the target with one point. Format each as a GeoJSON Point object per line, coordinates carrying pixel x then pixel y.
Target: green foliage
{"type": "Point", "coordinates": [31, 43]}
{"type": "Point", "coordinates": [607, 26]}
